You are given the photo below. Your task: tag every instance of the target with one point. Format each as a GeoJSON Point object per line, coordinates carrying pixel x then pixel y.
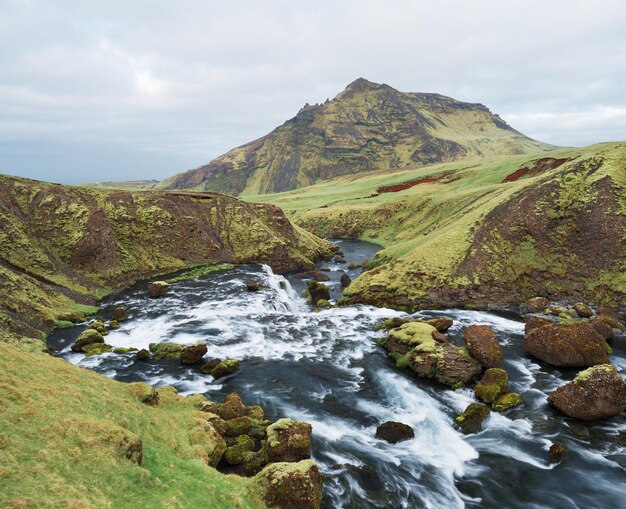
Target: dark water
{"type": "Point", "coordinates": [325, 368]}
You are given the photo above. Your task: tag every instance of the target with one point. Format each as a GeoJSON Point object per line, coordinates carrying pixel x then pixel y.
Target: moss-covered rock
{"type": "Point", "coordinates": [238, 426]}
{"type": "Point", "coordinates": [207, 437]}
{"type": "Point", "coordinates": [322, 304]}
{"type": "Point", "coordinates": [114, 324]}
{"type": "Point", "coordinates": [483, 345]}
{"type": "Point", "coordinates": [611, 322]}
{"type": "Point", "coordinates": [596, 393]}
{"type": "Point", "coordinates": [99, 326]}
{"type": "Point", "coordinates": [85, 338]}
{"type": "Point", "coordinates": [576, 344]}
{"type": "Point", "coordinates": [235, 454]}
{"type": "Point", "coordinates": [124, 349]}
{"type": "Point", "coordinates": [317, 291]}
{"type": "Point", "coordinates": [583, 310]}
{"type": "Point", "coordinates": [506, 401]}
{"type": "Point", "coordinates": [225, 368]}
{"type": "Point", "coordinates": [537, 304]}
{"type": "Point", "coordinates": [72, 316]}
{"type": "Point", "coordinates": [143, 355]}
{"type": "Point", "coordinates": [231, 407]}
{"type": "Point", "coordinates": [96, 349]}
{"type": "Point", "coordinates": [495, 383]}
{"type": "Point", "coordinates": [119, 313]}
{"type": "Point", "coordinates": [471, 420]}
{"type": "Point", "coordinates": [288, 440]}
{"type": "Point", "coordinates": [394, 432]}
{"type": "Point", "coordinates": [158, 289]}
{"type": "Point", "coordinates": [209, 365]}
{"type": "Point", "coordinates": [534, 322]}
{"type": "Point", "coordinates": [291, 485]}
{"type": "Point", "coordinates": [345, 280]}
{"type": "Point", "coordinates": [166, 350]}
{"type": "Point", "coordinates": [193, 354]}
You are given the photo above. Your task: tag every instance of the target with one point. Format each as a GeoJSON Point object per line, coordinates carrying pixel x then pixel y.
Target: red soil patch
{"type": "Point", "coordinates": [538, 166]}
{"type": "Point", "coordinates": [410, 183]}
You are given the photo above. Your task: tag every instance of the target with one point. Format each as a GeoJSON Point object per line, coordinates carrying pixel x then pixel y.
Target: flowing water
{"type": "Point", "coordinates": [326, 368]}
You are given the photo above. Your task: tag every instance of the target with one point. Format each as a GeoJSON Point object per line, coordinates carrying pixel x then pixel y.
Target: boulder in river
{"type": "Point", "coordinates": [568, 345]}
{"type": "Point", "coordinates": [288, 440]}
{"type": "Point", "coordinates": [596, 393]}
{"type": "Point", "coordinates": [87, 337]}
{"type": "Point", "coordinates": [225, 368]}
{"type": "Point", "coordinates": [611, 322]}
{"type": "Point", "coordinates": [602, 328]}
{"type": "Point", "coordinates": [291, 485]}
{"type": "Point", "coordinates": [471, 420]}
{"type": "Point", "coordinates": [345, 280]}
{"type": "Point", "coordinates": [394, 432]}
{"type": "Point", "coordinates": [441, 323]}
{"type": "Point", "coordinates": [537, 304]}
{"type": "Point", "coordinates": [506, 401]}
{"type": "Point", "coordinates": [158, 289]}
{"type": "Point", "coordinates": [557, 452]}
{"type": "Point", "coordinates": [193, 354]}
{"type": "Point", "coordinates": [96, 349]}
{"type": "Point", "coordinates": [312, 274]}
{"type": "Point", "coordinates": [166, 350]}
{"type": "Point", "coordinates": [583, 310]}
{"type": "Point", "coordinates": [209, 365]}
{"type": "Point", "coordinates": [119, 313]}
{"type": "Point", "coordinates": [413, 345]}
{"type": "Point", "coordinates": [143, 355]}
{"type": "Point", "coordinates": [252, 285]}
{"type": "Point", "coordinates": [534, 322]}
{"type": "Point", "coordinates": [317, 291]}
{"type": "Point", "coordinates": [495, 383]}
{"type": "Point", "coordinates": [483, 345]}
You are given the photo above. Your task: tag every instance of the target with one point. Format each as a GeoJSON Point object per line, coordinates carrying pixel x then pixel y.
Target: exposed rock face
{"type": "Point", "coordinates": [471, 420]}
{"type": "Point", "coordinates": [193, 354]}
{"type": "Point", "coordinates": [495, 383]}
{"type": "Point", "coordinates": [483, 345]}
{"type": "Point", "coordinates": [394, 432]}
{"type": "Point", "coordinates": [367, 126]}
{"type": "Point", "coordinates": [413, 345]}
{"type": "Point", "coordinates": [318, 291]}
{"type": "Point", "coordinates": [158, 289]}
{"type": "Point", "coordinates": [537, 304]}
{"type": "Point", "coordinates": [291, 485]}
{"type": "Point", "coordinates": [596, 393]}
{"type": "Point", "coordinates": [567, 345]}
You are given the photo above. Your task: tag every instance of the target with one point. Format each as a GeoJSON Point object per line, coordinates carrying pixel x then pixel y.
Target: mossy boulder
{"type": "Point", "coordinates": [483, 345]}
{"type": "Point", "coordinates": [506, 401]}
{"type": "Point", "coordinates": [207, 437]}
{"type": "Point", "coordinates": [596, 393]}
{"type": "Point", "coordinates": [235, 454]}
{"type": "Point", "coordinates": [87, 337]}
{"type": "Point", "coordinates": [392, 323]}
{"type": "Point", "coordinates": [114, 324]}
{"type": "Point", "coordinates": [345, 280]}
{"type": "Point", "coordinates": [72, 316]}
{"type": "Point", "coordinates": [193, 354]}
{"type": "Point", "coordinates": [471, 420]}
{"type": "Point", "coordinates": [225, 368]}
{"type": "Point", "coordinates": [96, 349]}
{"type": "Point", "coordinates": [166, 350]}
{"type": "Point", "coordinates": [441, 323]}
{"type": "Point", "coordinates": [313, 274]}
{"type": "Point", "coordinates": [583, 310]}
{"type": "Point", "coordinates": [291, 485]}
{"type": "Point", "coordinates": [413, 345]}
{"type": "Point", "coordinates": [209, 365]}
{"type": "Point", "coordinates": [158, 289]}
{"type": "Point", "coordinates": [288, 440]}
{"type": "Point", "coordinates": [231, 407]}
{"type": "Point", "coordinates": [119, 313]}
{"type": "Point", "coordinates": [611, 322]}
{"type": "Point", "coordinates": [537, 304]}
{"type": "Point", "coordinates": [143, 355]}
{"type": "Point", "coordinates": [602, 328]}
{"type": "Point", "coordinates": [534, 322]}
{"type": "Point", "coordinates": [317, 291]}
{"type": "Point", "coordinates": [238, 426]}
{"type": "Point", "coordinates": [394, 432]}
{"type": "Point", "coordinates": [254, 462]}
{"type": "Point", "coordinates": [567, 345]}
{"type": "Point", "coordinates": [125, 349]}
{"type": "Point", "coordinates": [255, 412]}
{"type": "Point", "coordinates": [322, 304]}
{"type": "Point", "coordinates": [99, 326]}
{"type": "Point", "coordinates": [495, 383]}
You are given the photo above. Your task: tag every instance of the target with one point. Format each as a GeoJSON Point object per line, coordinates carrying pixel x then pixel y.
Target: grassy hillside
{"type": "Point", "coordinates": [366, 127]}
{"type": "Point", "coordinates": [481, 233]}
{"type": "Point", "coordinates": [70, 437]}
{"type": "Point", "coordinates": [62, 247]}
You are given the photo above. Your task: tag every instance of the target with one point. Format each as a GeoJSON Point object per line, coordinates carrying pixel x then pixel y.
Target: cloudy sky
{"type": "Point", "coordinates": [108, 90]}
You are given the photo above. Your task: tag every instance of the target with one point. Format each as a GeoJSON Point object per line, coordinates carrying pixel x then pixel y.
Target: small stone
{"type": "Point", "coordinates": [158, 289]}
{"type": "Point", "coordinates": [471, 420]}
{"type": "Point", "coordinates": [557, 452]}
{"type": "Point", "coordinates": [442, 323]}
{"type": "Point", "coordinates": [119, 313]}
{"type": "Point", "coordinates": [394, 432]}
{"type": "Point", "coordinates": [252, 285]}
{"type": "Point", "coordinates": [583, 310]}
{"type": "Point", "coordinates": [345, 280]}
{"type": "Point", "coordinates": [143, 355]}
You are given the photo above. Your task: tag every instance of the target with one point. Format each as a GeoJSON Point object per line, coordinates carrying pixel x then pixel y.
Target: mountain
{"type": "Point", "coordinates": [62, 246]}
{"type": "Point", "coordinates": [486, 235]}
{"type": "Point", "coordinates": [366, 127]}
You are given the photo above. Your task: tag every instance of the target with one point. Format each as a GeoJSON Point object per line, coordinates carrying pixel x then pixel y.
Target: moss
{"type": "Point", "coordinates": [238, 426]}
{"type": "Point", "coordinates": [506, 401]}
{"type": "Point", "coordinates": [417, 335]}
{"type": "Point", "coordinates": [586, 374]}
{"type": "Point", "coordinates": [225, 368]}
{"type": "Point", "coordinates": [323, 303]}
{"type": "Point", "coordinates": [96, 349]}
{"type": "Point", "coordinates": [402, 361]}
{"type": "Point", "coordinates": [62, 324]}
{"type": "Point", "coordinates": [85, 338]}
{"type": "Point", "coordinates": [274, 429]}
{"type": "Point", "coordinates": [166, 350]}
{"type": "Point", "coordinates": [123, 349]}
{"type": "Point", "coordinates": [494, 383]}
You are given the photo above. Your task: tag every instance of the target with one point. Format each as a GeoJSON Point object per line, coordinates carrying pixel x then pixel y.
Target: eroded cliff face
{"type": "Point", "coordinates": [62, 245]}
{"type": "Point", "coordinates": [366, 127]}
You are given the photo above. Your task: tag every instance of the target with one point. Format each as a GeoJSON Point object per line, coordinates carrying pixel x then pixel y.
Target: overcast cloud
{"type": "Point", "coordinates": [104, 90]}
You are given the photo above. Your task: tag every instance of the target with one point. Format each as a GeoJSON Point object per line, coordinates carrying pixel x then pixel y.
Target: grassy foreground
{"type": "Point", "coordinates": [483, 232]}
{"type": "Point", "coordinates": [66, 432]}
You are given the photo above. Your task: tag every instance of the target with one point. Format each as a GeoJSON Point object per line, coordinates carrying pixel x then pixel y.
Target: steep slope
{"type": "Point", "coordinates": [62, 245]}
{"type": "Point", "coordinates": [488, 235]}
{"type": "Point", "coordinates": [366, 127]}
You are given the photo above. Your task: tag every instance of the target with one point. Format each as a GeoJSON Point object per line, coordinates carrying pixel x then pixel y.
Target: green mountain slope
{"type": "Point", "coordinates": [486, 234]}
{"type": "Point", "coordinates": [366, 127]}
{"type": "Point", "coordinates": [62, 245]}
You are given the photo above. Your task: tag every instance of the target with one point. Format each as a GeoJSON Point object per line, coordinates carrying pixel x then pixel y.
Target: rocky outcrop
{"type": "Point", "coordinates": [394, 432]}
{"type": "Point", "coordinates": [567, 345]}
{"type": "Point", "coordinates": [596, 393]}
{"type": "Point", "coordinates": [291, 485]}
{"type": "Point", "coordinates": [483, 345]}
{"type": "Point", "coordinates": [413, 345]}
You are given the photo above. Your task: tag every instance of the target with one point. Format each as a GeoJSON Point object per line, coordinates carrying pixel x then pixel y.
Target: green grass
{"type": "Point", "coordinates": [60, 428]}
